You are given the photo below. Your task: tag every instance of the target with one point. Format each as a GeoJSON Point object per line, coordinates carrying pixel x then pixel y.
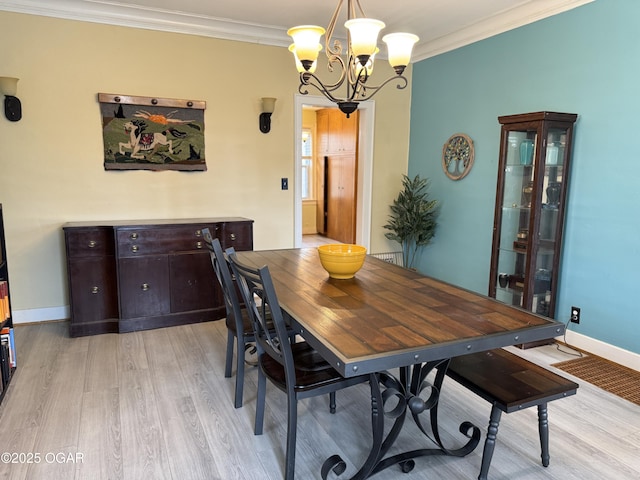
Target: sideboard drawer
{"type": "Point", "coordinates": [134, 242]}
{"type": "Point", "coordinates": [89, 242]}
{"type": "Point", "coordinates": [238, 235]}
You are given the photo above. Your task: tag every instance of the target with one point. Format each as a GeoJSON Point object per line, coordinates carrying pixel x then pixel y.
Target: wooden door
{"type": "Point", "coordinates": [322, 132]}
{"type": "Point", "coordinates": [337, 164]}
{"type": "Point", "coordinates": [332, 185]}
{"type": "Point", "coordinates": [341, 198]}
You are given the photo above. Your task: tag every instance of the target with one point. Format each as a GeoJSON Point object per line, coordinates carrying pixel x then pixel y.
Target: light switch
{"type": "Point", "coordinates": [285, 184]}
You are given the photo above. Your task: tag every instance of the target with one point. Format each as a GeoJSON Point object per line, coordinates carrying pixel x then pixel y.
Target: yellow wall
{"type": "Point", "coordinates": [51, 167]}
{"type": "Point", "coordinates": [309, 211]}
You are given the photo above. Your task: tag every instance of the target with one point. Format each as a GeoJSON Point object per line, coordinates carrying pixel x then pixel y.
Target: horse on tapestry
{"type": "Point", "coordinates": [141, 141]}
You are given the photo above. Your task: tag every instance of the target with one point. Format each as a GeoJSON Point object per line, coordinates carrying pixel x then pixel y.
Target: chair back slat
{"type": "Point", "coordinates": [258, 292]}
{"type": "Point", "coordinates": [223, 273]}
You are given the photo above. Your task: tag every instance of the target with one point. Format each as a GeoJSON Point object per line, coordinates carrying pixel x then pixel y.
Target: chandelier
{"type": "Point", "coordinates": [354, 71]}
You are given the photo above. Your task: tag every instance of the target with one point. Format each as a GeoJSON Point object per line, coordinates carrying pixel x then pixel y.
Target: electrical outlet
{"type": "Point", "coordinates": [575, 314]}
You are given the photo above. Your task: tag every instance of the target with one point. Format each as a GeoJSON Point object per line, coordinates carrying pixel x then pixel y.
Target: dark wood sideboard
{"type": "Point", "coordinates": [135, 275]}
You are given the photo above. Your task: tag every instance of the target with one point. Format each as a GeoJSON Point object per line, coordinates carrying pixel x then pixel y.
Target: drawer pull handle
{"type": "Point", "coordinates": [133, 236]}
{"type": "Point", "coordinates": [94, 290]}
{"type": "Point", "coordinates": [134, 249]}
{"type": "Point", "coordinates": [198, 244]}
{"type": "Point", "coordinates": [92, 244]}
{"type": "Point", "coordinates": [144, 287]}
{"type": "Point", "coordinates": [198, 233]}
{"type": "Point", "coordinates": [233, 236]}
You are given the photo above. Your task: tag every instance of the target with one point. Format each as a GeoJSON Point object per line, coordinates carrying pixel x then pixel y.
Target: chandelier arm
{"type": "Point", "coordinates": [353, 72]}
{"type": "Point", "coordinates": [403, 82]}
{"type": "Point", "coordinates": [343, 71]}
{"type": "Point", "coordinates": [358, 83]}
{"type": "Point", "coordinates": [336, 48]}
{"type": "Point", "coordinates": [308, 80]}
{"type": "Point", "coordinates": [312, 80]}
{"type": "Point", "coordinates": [359, 8]}
{"type": "Point", "coordinates": [333, 49]}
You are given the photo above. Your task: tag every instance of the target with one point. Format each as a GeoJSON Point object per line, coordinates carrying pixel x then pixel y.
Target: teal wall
{"type": "Point", "coordinates": [585, 61]}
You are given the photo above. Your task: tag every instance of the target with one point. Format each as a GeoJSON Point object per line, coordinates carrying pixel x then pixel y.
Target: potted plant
{"type": "Point", "coordinates": [413, 219]}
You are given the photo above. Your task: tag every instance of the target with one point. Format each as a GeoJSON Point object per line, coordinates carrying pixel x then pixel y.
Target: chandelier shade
{"type": "Point", "coordinates": [306, 40]}
{"type": "Point", "coordinates": [364, 36]}
{"type": "Point", "coordinates": [355, 65]}
{"type": "Point", "coordinates": [299, 66]}
{"type": "Point", "coordinates": [399, 47]}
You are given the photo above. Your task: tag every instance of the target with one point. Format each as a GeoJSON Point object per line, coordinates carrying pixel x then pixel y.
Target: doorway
{"type": "Point", "coordinates": [364, 167]}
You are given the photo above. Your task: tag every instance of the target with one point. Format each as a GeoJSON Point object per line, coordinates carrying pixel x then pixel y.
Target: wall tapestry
{"type": "Point", "coordinates": [144, 133]}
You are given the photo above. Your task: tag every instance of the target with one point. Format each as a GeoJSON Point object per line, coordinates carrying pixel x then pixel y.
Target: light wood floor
{"type": "Point", "coordinates": [314, 240]}
{"type": "Point", "coordinates": [155, 405]}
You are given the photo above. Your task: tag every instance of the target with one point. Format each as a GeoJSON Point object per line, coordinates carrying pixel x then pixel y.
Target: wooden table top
{"type": "Point", "coordinates": [388, 316]}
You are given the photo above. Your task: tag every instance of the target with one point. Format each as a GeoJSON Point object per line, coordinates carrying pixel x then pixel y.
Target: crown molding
{"type": "Point", "coordinates": [116, 13]}
{"type": "Point", "coordinates": [503, 22]}
{"type": "Point", "coordinates": [111, 13]}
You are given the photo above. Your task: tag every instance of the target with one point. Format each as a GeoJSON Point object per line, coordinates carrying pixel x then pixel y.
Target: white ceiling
{"type": "Point", "coordinates": [442, 25]}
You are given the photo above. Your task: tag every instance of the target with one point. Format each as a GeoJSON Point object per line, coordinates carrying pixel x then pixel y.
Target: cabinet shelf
{"type": "Point", "coordinates": [516, 208]}
{"type": "Point", "coordinates": [535, 155]}
{"type": "Point", "coordinates": [8, 361]}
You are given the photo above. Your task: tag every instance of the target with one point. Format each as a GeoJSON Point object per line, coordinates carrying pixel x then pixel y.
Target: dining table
{"type": "Point", "coordinates": [401, 328]}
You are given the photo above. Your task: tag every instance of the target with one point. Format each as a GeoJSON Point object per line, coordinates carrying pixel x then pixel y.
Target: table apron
{"type": "Point", "coordinates": [387, 361]}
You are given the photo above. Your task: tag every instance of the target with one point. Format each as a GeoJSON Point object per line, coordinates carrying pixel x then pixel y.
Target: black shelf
{"type": "Point", "coordinates": [7, 341]}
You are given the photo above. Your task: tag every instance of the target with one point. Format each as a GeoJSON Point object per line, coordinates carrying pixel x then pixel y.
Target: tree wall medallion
{"type": "Point", "coordinates": [457, 156]}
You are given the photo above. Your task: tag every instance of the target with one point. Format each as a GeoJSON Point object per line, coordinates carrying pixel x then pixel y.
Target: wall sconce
{"type": "Point", "coordinates": [268, 106]}
{"type": "Point", "coordinates": [12, 105]}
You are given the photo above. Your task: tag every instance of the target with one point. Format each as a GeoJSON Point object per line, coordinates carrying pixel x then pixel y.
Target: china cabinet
{"type": "Point", "coordinates": [533, 176]}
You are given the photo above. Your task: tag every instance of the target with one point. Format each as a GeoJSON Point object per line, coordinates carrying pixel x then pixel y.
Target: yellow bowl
{"type": "Point", "coordinates": [342, 260]}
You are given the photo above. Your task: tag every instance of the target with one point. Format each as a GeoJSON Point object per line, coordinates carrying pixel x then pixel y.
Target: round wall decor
{"type": "Point", "coordinates": [457, 156]}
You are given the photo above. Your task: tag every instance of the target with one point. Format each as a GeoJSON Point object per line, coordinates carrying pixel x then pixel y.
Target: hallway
{"type": "Point", "coordinates": [313, 240]}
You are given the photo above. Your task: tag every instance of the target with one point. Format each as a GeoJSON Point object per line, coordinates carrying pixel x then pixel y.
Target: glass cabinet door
{"type": "Point", "coordinates": [517, 200]}
{"type": "Point", "coordinates": [547, 239]}
{"type": "Point", "coordinates": [533, 167]}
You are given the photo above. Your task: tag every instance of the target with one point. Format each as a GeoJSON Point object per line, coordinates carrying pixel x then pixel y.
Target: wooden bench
{"type": "Point", "coordinates": [510, 383]}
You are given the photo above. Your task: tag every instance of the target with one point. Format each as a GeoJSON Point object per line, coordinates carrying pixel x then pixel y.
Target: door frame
{"type": "Point", "coordinates": [365, 167]}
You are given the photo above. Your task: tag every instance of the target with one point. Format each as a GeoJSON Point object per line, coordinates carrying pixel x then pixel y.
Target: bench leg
{"type": "Point", "coordinates": [490, 442]}
{"type": "Point", "coordinates": [543, 428]}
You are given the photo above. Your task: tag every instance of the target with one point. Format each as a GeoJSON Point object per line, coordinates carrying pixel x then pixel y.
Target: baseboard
{"type": "Point", "coordinates": [40, 315]}
{"type": "Point", "coordinates": [601, 349]}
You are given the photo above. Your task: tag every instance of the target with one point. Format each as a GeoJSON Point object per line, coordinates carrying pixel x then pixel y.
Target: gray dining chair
{"type": "Point", "coordinates": [296, 369]}
{"type": "Point", "coordinates": [240, 334]}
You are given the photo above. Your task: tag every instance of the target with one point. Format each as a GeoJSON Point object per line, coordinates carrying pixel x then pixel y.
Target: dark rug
{"type": "Point", "coordinates": [612, 377]}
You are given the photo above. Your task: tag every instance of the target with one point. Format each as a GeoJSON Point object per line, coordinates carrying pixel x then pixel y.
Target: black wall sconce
{"type": "Point", "coordinates": [268, 106]}
{"type": "Point", "coordinates": [12, 105]}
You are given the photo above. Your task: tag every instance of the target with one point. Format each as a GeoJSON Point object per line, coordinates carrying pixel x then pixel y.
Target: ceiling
{"type": "Point", "coordinates": [442, 25]}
